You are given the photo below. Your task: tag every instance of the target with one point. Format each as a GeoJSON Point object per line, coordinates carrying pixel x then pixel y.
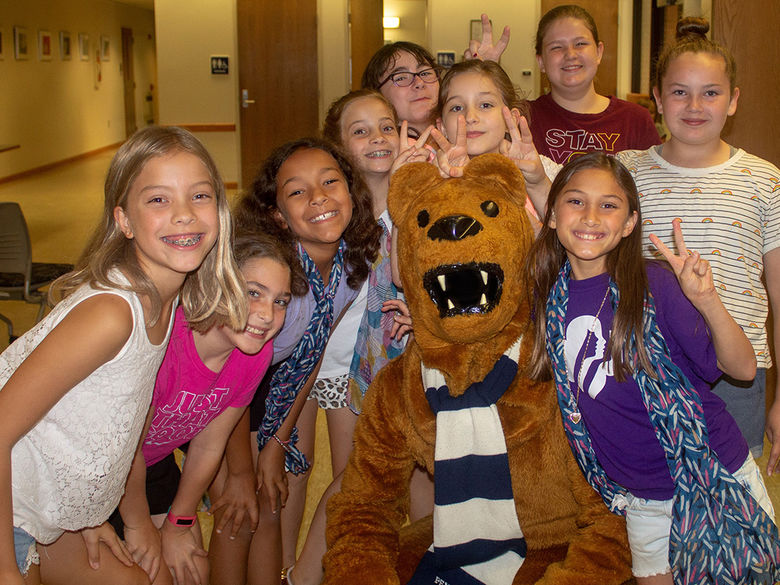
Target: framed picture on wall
{"type": "Point", "coordinates": [475, 30]}
{"type": "Point", "coordinates": [44, 45]}
{"type": "Point", "coordinates": [105, 47]}
{"type": "Point", "coordinates": [21, 43]}
{"type": "Point", "coordinates": [84, 46]}
{"type": "Point", "coordinates": [65, 48]}
{"type": "Point", "coordinates": [2, 44]}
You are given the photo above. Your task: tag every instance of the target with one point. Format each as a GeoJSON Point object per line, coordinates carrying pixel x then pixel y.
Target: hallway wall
{"type": "Point", "coordinates": [57, 109]}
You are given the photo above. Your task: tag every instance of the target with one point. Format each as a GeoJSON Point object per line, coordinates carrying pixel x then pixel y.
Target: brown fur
{"type": "Point", "coordinates": [572, 538]}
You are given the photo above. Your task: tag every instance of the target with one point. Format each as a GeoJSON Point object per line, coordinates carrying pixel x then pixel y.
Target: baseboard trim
{"type": "Point", "coordinates": [59, 163]}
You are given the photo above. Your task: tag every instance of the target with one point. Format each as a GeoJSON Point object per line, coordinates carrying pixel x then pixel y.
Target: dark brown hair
{"type": "Point", "coordinates": [248, 245]}
{"type": "Point", "coordinates": [386, 57]}
{"type": "Point", "coordinates": [331, 128]}
{"type": "Point", "coordinates": [493, 71]}
{"type": "Point", "coordinates": [624, 264]}
{"type": "Point", "coordinates": [564, 11]}
{"type": "Point", "coordinates": [692, 38]}
{"type": "Point", "coordinates": [257, 208]}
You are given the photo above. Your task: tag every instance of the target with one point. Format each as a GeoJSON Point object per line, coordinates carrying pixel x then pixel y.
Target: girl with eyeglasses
{"type": "Point", "coordinates": [408, 76]}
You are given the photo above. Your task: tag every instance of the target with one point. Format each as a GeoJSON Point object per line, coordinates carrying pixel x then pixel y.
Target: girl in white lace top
{"type": "Point", "coordinates": [76, 388]}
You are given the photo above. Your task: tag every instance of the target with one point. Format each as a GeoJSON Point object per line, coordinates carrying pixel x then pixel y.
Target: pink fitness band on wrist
{"type": "Point", "coordinates": [181, 520]}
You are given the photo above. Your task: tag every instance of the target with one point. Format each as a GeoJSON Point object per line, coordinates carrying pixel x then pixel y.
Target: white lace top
{"type": "Point", "coordinates": [69, 471]}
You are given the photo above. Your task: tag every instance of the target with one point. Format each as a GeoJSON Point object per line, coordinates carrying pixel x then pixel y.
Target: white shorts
{"type": "Point", "coordinates": [649, 522]}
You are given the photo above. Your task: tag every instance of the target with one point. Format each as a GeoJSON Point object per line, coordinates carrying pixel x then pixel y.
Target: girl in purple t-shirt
{"type": "Point", "coordinates": [633, 353]}
{"type": "Point", "coordinates": [207, 379]}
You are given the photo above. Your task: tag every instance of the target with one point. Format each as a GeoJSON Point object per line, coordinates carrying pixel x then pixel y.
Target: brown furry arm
{"type": "Point", "coordinates": [365, 517]}
{"type": "Point", "coordinates": [599, 553]}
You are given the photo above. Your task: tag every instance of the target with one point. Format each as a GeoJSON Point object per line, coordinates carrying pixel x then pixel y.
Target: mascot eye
{"type": "Point", "coordinates": [489, 208]}
{"type": "Point", "coordinates": [423, 218]}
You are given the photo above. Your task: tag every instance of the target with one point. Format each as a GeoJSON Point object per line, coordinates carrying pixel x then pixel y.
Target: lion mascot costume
{"type": "Point", "coordinates": [511, 505]}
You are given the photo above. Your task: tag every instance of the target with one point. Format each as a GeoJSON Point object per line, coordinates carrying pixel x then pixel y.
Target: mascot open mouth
{"type": "Point", "coordinates": [462, 289]}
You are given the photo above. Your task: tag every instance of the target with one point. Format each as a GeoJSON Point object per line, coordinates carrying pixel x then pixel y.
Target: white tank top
{"type": "Point", "coordinates": [69, 471]}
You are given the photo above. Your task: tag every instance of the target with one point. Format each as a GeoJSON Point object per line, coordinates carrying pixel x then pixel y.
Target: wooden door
{"type": "Point", "coordinates": [605, 13]}
{"type": "Point", "coordinates": [277, 75]}
{"type": "Point", "coordinates": [128, 78]}
{"type": "Point", "coordinates": [366, 34]}
{"type": "Point", "coordinates": [749, 30]}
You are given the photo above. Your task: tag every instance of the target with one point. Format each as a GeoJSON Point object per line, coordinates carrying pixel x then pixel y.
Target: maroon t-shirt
{"type": "Point", "coordinates": [562, 135]}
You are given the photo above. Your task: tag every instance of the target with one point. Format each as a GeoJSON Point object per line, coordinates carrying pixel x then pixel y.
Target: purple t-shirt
{"type": "Point", "coordinates": [621, 433]}
{"type": "Point", "coordinates": [562, 135]}
{"type": "Point", "coordinates": [188, 395]}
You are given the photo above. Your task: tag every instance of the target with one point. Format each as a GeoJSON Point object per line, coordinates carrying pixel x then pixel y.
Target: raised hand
{"type": "Point", "coordinates": [485, 49]}
{"type": "Point", "coordinates": [412, 150]}
{"type": "Point", "coordinates": [451, 158]}
{"type": "Point", "coordinates": [693, 272]}
{"type": "Point", "coordinates": [520, 150]}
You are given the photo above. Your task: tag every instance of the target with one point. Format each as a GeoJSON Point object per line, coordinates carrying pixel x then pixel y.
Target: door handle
{"type": "Point", "coordinates": [245, 101]}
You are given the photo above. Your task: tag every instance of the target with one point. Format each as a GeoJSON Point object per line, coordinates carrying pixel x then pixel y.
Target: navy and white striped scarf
{"type": "Point", "coordinates": [476, 534]}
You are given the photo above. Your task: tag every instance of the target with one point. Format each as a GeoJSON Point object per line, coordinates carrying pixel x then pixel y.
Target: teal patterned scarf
{"type": "Point", "coordinates": [719, 533]}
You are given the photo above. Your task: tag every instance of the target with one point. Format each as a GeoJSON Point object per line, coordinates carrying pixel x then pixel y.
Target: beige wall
{"type": "Point", "coordinates": [57, 109]}
{"type": "Point", "coordinates": [188, 33]}
{"type": "Point", "coordinates": [59, 113]}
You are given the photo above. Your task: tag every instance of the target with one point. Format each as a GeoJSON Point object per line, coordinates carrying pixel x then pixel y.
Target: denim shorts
{"type": "Point", "coordinates": [746, 402]}
{"type": "Point", "coordinates": [26, 553]}
{"type": "Point", "coordinates": [649, 522]}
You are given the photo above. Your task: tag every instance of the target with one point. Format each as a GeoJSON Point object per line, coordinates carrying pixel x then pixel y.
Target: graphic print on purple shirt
{"type": "Point", "coordinates": [622, 435]}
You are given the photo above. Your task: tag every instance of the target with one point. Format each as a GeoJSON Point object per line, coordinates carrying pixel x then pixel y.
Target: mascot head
{"type": "Point", "coordinates": [461, 249]}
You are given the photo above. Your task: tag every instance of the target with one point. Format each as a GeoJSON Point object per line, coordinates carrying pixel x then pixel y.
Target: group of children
{"type": "Point", "coordinates": [311, 260]}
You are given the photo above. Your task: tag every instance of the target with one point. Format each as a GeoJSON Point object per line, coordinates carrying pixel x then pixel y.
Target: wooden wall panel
{"type": "Point", "coordinates": [749, 30]}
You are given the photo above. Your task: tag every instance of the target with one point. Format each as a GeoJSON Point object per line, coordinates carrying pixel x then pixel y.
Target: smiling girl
{"type": "Point", "coordinates": [728, 202]}
{"type": "Point", "coordinates": [76, 388]}
{"type": "Point", "coordinates": [309, 196]}
{"type": "Point", "coordinates": [633, 354]}
{"type": "Point", "coordinates": [573, 119]}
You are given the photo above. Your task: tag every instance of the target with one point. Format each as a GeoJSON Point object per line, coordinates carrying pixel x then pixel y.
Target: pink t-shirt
{"type": "Point", "coordinates": [188, 395]}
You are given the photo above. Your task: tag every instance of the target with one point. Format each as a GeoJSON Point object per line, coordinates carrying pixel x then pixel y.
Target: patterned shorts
{"type": "Point", "coordinates": [331, 393]}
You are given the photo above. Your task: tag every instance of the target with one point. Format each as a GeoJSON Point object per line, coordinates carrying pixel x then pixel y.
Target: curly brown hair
{"type": "Point", "coordinates": [257, 209]}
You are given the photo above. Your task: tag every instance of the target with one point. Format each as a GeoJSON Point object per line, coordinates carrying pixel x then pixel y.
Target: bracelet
{"type": "Point", "coordinates": [285, 444]}
{"type": "Point", "coordinates": [180, 520]}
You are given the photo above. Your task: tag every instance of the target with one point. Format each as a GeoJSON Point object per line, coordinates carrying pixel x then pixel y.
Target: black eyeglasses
{"type": "Point", "coordinates": [406, 78]}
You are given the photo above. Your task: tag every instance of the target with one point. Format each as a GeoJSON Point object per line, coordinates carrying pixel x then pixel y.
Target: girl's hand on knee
{"type": "Point", "coordinates": [143, 543]}
{"type": "Point", "coordinates": [179, 550]}
{"type": "Point", "coordinates": [402, 319]}
{"type": "Point", "coordinates": [450, 157]}
{"type": "Point", "coordinates": [271, 477]}
{"type": "Point", "coordinates": [237, 502]}
{"type": "Point", "coordinates": [104, 533]}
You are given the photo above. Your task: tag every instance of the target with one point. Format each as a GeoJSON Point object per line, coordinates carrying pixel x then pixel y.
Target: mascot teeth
{"type": "Point", "coordinates": [464, 289]}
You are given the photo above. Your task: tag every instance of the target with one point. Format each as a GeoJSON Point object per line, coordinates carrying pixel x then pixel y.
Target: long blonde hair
{"type": "Point", "coordinates": [216, 287]}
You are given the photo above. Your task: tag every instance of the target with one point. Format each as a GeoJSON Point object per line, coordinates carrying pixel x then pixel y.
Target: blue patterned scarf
{"type": "Point", "coordinates": [293, 372]}
{"type": "Point", "coordinates": [374, 347]}
{"type": "Point", "coordinates": [719, 533]}
{"type": "Point", "coordinates": [476, 533]}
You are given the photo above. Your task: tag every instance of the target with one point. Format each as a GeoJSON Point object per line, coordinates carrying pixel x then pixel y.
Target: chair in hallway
{"type": "Point", "coordinates": [21, 279]}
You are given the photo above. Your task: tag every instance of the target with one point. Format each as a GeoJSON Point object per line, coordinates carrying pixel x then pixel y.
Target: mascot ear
{"type": "Point", "coordinates": [500, 169]}
{"type": "Point", "coordinates": [406, 184]}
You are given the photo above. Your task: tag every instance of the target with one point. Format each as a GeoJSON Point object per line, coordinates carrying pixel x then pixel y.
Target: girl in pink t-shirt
{"type": "Point", "coordinates": [207, 379]}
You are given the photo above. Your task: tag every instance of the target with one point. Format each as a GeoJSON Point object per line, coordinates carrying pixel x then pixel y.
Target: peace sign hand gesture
{"type": "Point", "coordinates": [693, 272]}
{"type": "Point", "coordinates": [412, 150]}
{"type": "Point", "coordinates": [485, 49]}
{"type": "Point", "coordinates": [451, 158]}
